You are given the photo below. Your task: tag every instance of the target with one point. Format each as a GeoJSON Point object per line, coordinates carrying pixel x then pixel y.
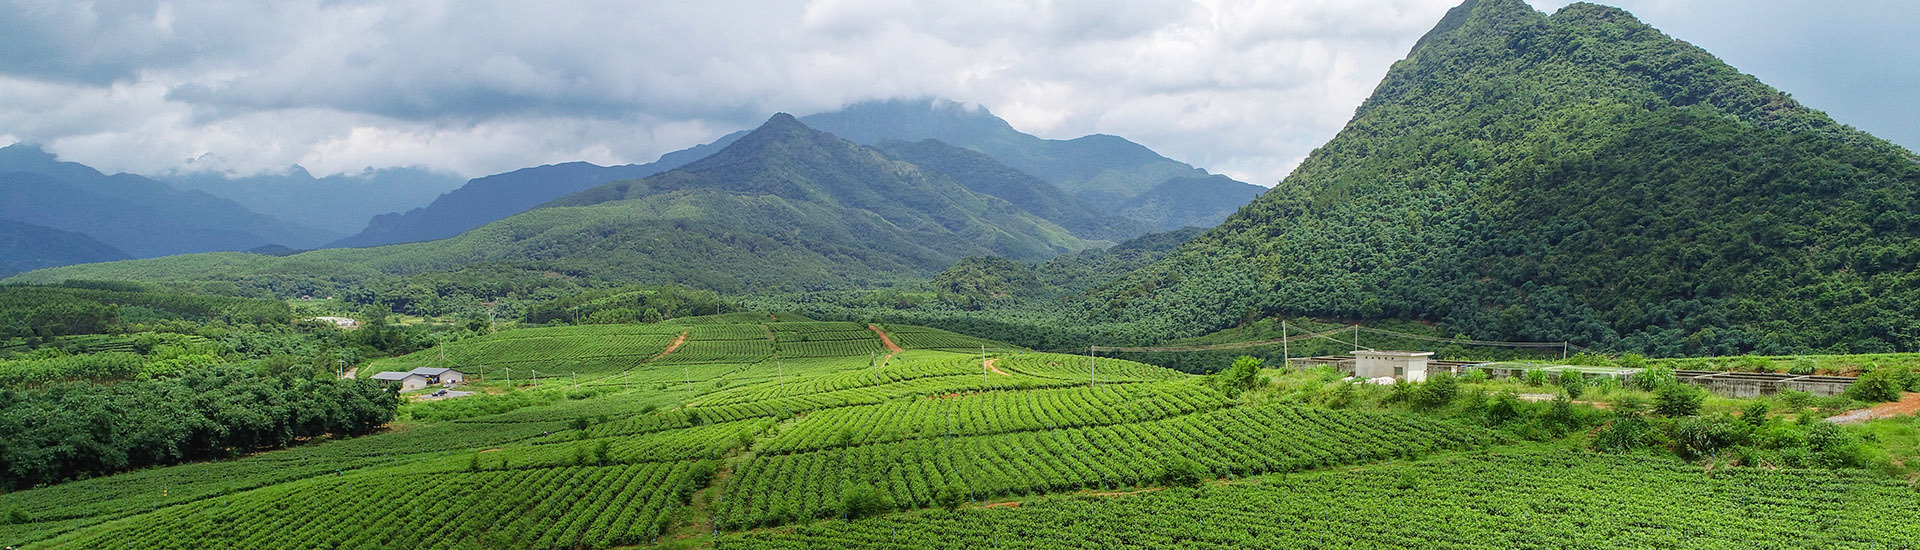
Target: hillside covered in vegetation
{"type": "Point", "coordinates": [1578, 177]}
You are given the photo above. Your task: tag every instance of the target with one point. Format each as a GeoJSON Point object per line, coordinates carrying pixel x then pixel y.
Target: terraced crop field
{"type": "Point", "coordinates": [726, 441]}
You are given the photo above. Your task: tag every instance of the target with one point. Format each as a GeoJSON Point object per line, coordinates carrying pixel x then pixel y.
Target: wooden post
{"type": "Point", "coordinates": [1286, 348]}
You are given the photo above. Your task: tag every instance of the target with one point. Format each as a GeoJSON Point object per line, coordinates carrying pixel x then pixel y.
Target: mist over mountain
{"type": "Point", "coordinates": [340, 203]}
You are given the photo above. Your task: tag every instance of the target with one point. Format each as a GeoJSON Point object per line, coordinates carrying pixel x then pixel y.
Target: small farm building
{"type": "Point", "coordinates": [1408, 365]}
{"type": "Point", "coordinates": [408, 381]}
{"type": "Point", "coordinates": [440, 375]}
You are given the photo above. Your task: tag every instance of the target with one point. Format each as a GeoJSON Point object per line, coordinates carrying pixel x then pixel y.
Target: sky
{"type": "Point", "coordinates": [1242, 87]}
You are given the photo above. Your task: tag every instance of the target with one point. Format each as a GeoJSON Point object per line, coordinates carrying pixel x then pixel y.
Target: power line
{"type": "Point", "coordinates": [1229, 345]}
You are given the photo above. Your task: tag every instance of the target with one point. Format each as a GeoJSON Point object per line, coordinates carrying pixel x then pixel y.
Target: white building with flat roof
{"type": "Point", "coordinates": [1406, 365]}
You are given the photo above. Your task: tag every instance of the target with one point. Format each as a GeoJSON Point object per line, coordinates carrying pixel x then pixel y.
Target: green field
{"type": "Point", "coordinates": [753, 430]}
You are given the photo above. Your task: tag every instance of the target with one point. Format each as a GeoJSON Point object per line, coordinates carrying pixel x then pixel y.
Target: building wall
{"type": "Point", "coordinates": [413, 383]}
{"type": "Point", "coordinates": [452, 377]}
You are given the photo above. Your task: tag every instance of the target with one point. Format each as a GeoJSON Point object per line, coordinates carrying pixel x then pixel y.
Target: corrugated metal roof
{"type": "Point", "coordinates": [394, 376]}
{"type": "Point", "coordinates": [432, 371]}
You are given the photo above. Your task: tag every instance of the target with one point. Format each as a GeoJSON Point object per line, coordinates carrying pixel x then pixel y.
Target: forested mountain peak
{"type": "Point", "coordinates": [1578, 177]}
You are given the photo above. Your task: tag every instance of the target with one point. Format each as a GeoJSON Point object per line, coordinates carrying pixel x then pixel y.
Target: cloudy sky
{"type": "Point", "coordinates": [1243, 87]}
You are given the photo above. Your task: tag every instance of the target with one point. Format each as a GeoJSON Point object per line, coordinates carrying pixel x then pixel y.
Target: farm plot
{"type": "Point", "coordinates": [1075, 367]}
{"type": "Point", "coordinates": [775, 489]}
{"type": "Point", "coordinates": [993, 413]}
{"type": "Point", "coordinates": [913, 337]}
{"type": "Point", "coordinates": [543, 508]}
{"type": "Point", "coordinates": [1534, 500]}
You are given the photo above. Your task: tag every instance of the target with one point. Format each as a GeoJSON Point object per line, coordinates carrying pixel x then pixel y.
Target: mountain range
{"type": "Point", "coordinates": [782, 207]}
{"type": "Point", "coordinates": [1578, 177]}
{"type": "Point", "coordinates": [26, 247]}
{"type": "Point", "coordinates": [1110, 176]}
{"type": "Point", "coordinates": [340, 204]}
{"type": "Point", "coordinates": [140, 216]}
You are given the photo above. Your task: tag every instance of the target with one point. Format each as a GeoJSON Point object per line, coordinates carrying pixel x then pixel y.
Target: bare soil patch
{"type": "Point", "coordinates": [677, 341]}
{"type": "Point", "coordinates": [1908, 405]}
{"type": "Point", "coordinates": [996, 370]}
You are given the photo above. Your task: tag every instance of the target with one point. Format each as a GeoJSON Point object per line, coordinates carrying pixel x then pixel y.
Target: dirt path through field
{"type": "Point", "coordinates": [349, 374]}
{"type": "Point", "coordinates": [681, 339]}
{"type": "Point", "coordinates": [892, 348]}
{"type": "Point", "coordinates": [996, 370]}
{"type": "Point", "coordinates": [1908, 405]}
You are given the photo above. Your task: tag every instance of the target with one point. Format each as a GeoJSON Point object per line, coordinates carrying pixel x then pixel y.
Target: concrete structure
{"type": "Point", "coordinates": [1748, 384]}
{"type": "Point", "coordinates": [408, 381]}
{"type": "Point", "coordinates": [440, 375]}
{"type": "Point", "coordinates": [342, 322]}
{"type": "Point", "coordinates": [1407, 365]}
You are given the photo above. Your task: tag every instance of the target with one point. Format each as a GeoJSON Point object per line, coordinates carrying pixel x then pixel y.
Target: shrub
{"type": "Point", "coordinates": [1653, 378]}
{"type": "Point", "coordinates": [1437, 392]}
{"type": "Point", "coordinates": [1700, 437]}
{"type": "Point", "coordinates": [1755, 413]}
{"type": "Point", "coordinates": [858, 500]}
{"type": "Point", "coordinates": [1240, 376]}
{"type": "Point", "coordinates": [1181, 471]}
{"type": "Point", "coordinates": [1504, 408]}
{"type": "Point", "coordinates": [1803, 367]}
{"type": "Point", "coordinates": [1677, 400]}
{"type": "Point", "coordinates": [1878, 385]}
{"type": "Point", "coordinates": [1536, 377]}
{"type": "Point", "coordinates": [1573, 382]}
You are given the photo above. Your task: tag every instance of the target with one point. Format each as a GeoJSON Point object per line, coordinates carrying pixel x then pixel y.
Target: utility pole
{"type": "Point", "coordinates": [1090, 366]}
{"type": "Point", "coordinates": [1286, 348]}
{"type": "Point", "coordinates": [1356, 337]}
{"type": "Point", "coordinates": [983, 365]}
{"type": "Point", "coordinates": [509, 377]}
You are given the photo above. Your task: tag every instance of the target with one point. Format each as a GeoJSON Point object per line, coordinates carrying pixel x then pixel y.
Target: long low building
{"type": "Point", "coordinates": [422, 377]}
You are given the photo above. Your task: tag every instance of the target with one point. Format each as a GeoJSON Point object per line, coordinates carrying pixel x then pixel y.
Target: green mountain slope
{"type": "Point", "coordinates": [1576, 177]}
{"type": "Point", "coordinates": [1101, 170]}
{"type": "Point", "coordinates": [982, 174]}
{"type": "Point", "coordinates": [785, 207]}
{"type": "Point", "coordinates": [26, 247]}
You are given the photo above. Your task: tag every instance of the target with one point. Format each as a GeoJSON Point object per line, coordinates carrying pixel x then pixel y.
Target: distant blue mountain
{"type": "Point", "coordinates": [25, 247]}
{"type": "Point", "coordinates": [341, 203]}
{"type": "Point", "coordinates": [137, 215]}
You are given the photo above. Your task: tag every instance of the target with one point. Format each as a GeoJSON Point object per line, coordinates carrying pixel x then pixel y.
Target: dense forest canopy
{"type": "Point", "coordinates": [1577, 177]}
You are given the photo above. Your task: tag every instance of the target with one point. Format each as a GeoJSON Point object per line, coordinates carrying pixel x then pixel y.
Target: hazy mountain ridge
{"type": "Point", "coordinates": [140, 216]}
{"type": "Point", "coordinates": [26, 247]}
{"type": "Point", "coordinates": [339, 203]}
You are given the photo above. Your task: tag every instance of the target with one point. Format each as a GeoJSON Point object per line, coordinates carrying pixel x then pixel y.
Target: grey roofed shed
{"type": "Point", "coordinates": [391, 376]}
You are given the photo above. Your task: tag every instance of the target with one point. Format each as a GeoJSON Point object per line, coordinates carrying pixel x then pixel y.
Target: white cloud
{"type": "Point", "coordinates": [1244, 87]}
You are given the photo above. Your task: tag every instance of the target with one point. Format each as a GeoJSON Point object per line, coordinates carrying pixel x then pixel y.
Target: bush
{"type": "Point", "coordinates": [1437, 392]}
{"type": "Point", "coordinates": [1573, 382]}
{"type": "Point", "coordinates": [1626, 433]}
{"type": "Point", "coordinates": [858, 500]}
{"type": "Point", "coordinates": [1653, 378]}
{"type": "Point", "coordinates": [1536, 377]}
{"type": "Point", "coordinates": [1755, 413]}
{"type": "Point", "coordinates": [1803, 367]}
{"type": "Point", "coordinates": [1182, 472]}
{"type": "Point", "coordinates": [1700, 437]}
{"type": "Point", "coordinates": [1239, 377]}
{"type": "Point", "coordinates": [1504, 408]}
{"type": "Point", "coordinates": [1677, 400]}
{"type": "Point", "coordinates": [1879, 385]}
